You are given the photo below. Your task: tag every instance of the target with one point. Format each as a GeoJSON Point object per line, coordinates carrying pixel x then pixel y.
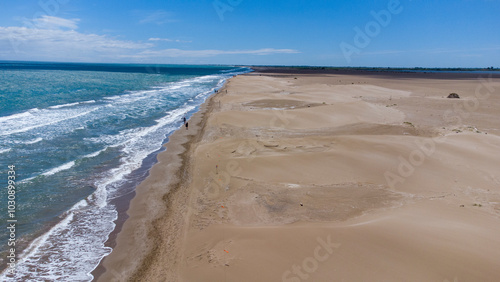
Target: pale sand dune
{"type": "Point", "coordinates": [319, 179]}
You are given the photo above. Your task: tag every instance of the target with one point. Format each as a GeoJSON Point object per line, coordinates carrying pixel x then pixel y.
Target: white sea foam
{"type": "Point", "coordinates": [168, 88]}
{"type": "Point", "coordinates": [137, 144]}
{"type": "Point", "coordinates": [94, 154]}
{"type": "Point", "coordinates": [4, 150]}
{"type": "Point", "coordinates": [38, 242]}
{"type": "Point", "coordinates": [17, 116]}
{"type": "Point", "coordinates": [131, 97]}
{"type": "Point", "coordinates": [55, 170]}
{"type": "Point", "coordinates": [27, 179]}
{"type": "Point", "coordinates": [70, 249]}
{"type": "Point", "coordinates": [112, 97]}
{"type": "Point", "coordinates": [29, 142]}
{"type": "Point", "coordinates": [63, 105]}
{"type": "Point", "coordinates": [63, 167]}
{"type": "Point", "coordinates": [34, 247]}
{"type": "Point", "coordinates": [71, 104]}
{"type": "Point", "coordinates": [38, 121]}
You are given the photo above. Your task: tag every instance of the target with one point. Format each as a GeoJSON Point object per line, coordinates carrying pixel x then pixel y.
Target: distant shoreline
{"type": "Point", "coordinates": [443, 73]}
{"type": "Point", "coordinates": [140, 67]}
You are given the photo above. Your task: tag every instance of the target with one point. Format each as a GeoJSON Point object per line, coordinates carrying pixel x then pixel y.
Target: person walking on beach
{"type": "Point", "coordinates": [186, 125]}
{"type": "Point", "coordinates": [184, 119]}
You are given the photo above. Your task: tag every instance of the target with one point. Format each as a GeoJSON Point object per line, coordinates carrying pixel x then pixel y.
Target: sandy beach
{"type": "Point", "coordinates": [297, 175]}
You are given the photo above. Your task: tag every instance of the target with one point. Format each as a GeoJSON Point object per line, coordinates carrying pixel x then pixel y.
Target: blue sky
{"type": "Point", "coordinates": [385, 33]}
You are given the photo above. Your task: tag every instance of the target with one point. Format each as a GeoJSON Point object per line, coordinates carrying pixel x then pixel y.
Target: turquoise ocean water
{"type": "Point", "coordinates": [76, 133]}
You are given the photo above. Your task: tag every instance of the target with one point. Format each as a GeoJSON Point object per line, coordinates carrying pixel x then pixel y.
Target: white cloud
{"type": "Point", "coordinates": [55, 44]}
{"type": "Point", "coordinates": [210, 53]}
{"type": "Point", "coordinates": [158, 17]}
{"type": "Point", "coordinates": [168, 40]}
{"type": "Point", "coordinates": [55, 39]}
{"type": "Point", "coordinates": [66, 38]}
{"type": "Point", "coordinates": [49, 22]}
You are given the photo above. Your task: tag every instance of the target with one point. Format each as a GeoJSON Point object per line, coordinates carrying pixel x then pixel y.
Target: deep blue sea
{"type": "Point", "coordinates": [75, 134]}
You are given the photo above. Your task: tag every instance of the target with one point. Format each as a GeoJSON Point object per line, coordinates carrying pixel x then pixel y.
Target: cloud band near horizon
{"type": "Point", "coordinates": [54, 38]}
